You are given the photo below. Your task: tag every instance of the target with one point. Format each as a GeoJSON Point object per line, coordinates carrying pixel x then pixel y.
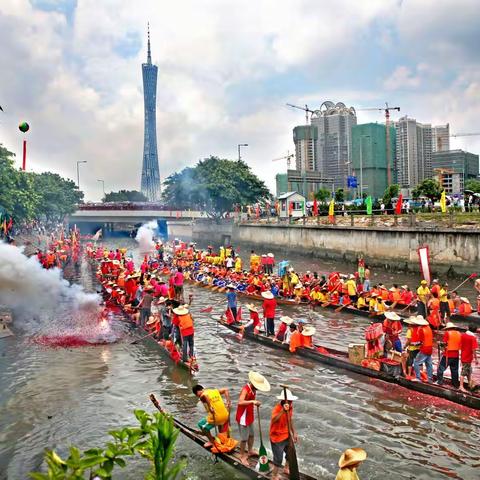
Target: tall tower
{"type": "Point", "coordinates": [150, 171]}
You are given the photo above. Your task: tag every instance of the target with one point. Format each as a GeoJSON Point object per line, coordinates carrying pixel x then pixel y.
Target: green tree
{"type": "Point", "coordinates": [214, 185]}
{"type": "Point", "coordinates": [125, 196]}
{"type": "Point", "coordinates": [391, 191]}
{"type": "Point", "coordinates": [340, 195]}
{"type": "Point", "coordinates": [428, 188]}
{"type": "Point", "coordinates": [323, 195]}
{"type": "Point", "coordinates": [153, 438]}
{"type": "Point", "coordinates": [58, 196]}
{"type": "Point", "coordinates": [473, 185]}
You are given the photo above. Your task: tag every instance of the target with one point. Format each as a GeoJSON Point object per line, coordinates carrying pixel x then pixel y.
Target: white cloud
{"type": "Point", "coordinates": [84, 101]}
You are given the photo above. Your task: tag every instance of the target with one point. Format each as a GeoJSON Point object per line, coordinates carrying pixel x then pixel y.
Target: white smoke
{"type": "Point", "coordinates": [145, 236]}
{"type": "Point", "coordinates": [41, 297]}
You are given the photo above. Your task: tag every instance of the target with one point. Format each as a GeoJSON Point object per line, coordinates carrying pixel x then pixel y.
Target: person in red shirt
{"type": "Point", "coordinates": [425, 337]}
{"type": "Point", "coordinates": [269, 307]}
{"type": "Point", "coordinates": [279, 431]}
{"type": "Point", "coordinates": [245, 415]}
{"type": "Point", "coordinates": [469, 345]}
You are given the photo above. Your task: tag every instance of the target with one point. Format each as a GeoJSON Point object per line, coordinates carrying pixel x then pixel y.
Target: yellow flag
{"type": "Point", "coordinates": [443, 202]}
{"type": "Point", "coordinates": [331, 210]}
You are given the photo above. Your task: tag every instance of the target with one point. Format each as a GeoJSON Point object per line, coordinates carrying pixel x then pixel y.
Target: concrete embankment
{"type": "Point", "coordinates": [451, 251]}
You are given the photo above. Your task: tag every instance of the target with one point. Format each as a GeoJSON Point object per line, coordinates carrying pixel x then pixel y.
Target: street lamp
{"type": "Point", "coordinates": [241, 145]}
{"type": "Point", "coordinates": [78, 172]}
{"type": "Point", "coordinates": [103, 186]}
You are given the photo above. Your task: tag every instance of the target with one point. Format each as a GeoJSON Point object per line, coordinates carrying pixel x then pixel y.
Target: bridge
{"type": "Point", "coordinates": [111, 216]}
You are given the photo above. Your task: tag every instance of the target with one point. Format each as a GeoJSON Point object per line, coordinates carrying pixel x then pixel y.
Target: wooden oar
{"type": "Point", "coordinates": [408, 306]}
{"type": "Point", "coordinates": [473, 275]}
{"type": "Point", "coordinates": [291, 450]}
{"type": "Point", "coordinates": [142, 338]}
{"type": "Point", "coordinates": [262, 451]}
{"type": "Point", "coordinates": [339, 309]}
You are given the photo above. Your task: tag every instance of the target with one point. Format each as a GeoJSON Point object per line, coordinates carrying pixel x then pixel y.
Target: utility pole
{"type": "Point", "coordinates": [239, 146]}
{"type": "Point", "coordinates": [78, 172]}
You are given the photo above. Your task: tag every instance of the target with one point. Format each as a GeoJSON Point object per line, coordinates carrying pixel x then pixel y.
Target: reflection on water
{"type": "Point", "coordinates": [56, 397]}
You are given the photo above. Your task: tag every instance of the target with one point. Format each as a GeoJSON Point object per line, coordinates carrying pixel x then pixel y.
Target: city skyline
{"type": "Point", "coordinates": [223, 80]}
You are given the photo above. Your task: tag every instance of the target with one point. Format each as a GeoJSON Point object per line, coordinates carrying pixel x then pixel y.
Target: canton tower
{"type": "Point", "coordinates": [150, 171]}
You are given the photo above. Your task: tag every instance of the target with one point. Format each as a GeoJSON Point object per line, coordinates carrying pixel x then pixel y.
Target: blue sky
{"type": "Point", "coordinates": [72, 68]}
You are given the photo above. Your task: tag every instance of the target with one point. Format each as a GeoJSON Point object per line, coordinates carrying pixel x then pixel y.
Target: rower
{"type": "Point", "coordinates": [217, 412]}
{"type": "Point", "coordinates": [295, 339]}
{"type": "Point", "coordinates": [185, 324]}
{"type": "Point", "coordinates": [349, 462]}
{"type": "Point", "coordinates": [424, 356]}
{"type": "Point", "coordinates": [393, 328]}
{"type": "Point", "coordinates": [232, 301]}
{"type": "Point", "coordinates": [269, 307]}
{"type": "Point", "coordinates": [452, 340]}
{"type": "Point", "coordinates": [279, 433]}
{"type": "Point", "coordinates": [412, 345]}
{"type": "Point", "coordinates": [245, 415]}
{"type": "Point", "coordinates": [469, 347]}
{"type": "Point", "coordinates": [285, 322]}
{"type": "Point", "coordinates": [253, 325]}
{"type": "Point", "coordinates": [423, 293]}
{"type": "Point", "coordinates": [307, 336]}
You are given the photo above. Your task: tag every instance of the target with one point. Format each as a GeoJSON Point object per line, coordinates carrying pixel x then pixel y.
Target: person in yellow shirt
{"type": "Point", "coordinates": [362, 302]}
{"type": "Point", "coordinates": [349, 462]}
{"type": "Point", "coordinates": [352, 288]}
{"type": "Point", "coordinates": [444, 305]}
{"type": "Point", "coordinates": [372, 303]}
{"type": "Point", "coordinates": [217, 411]}
{"type": "Point", "coordinates": [423, 294]}
{"type": "Point", "coordinates": [238, 264]}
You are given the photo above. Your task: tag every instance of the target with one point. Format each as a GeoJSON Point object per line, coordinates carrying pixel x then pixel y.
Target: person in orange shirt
{"type": "Point", "coordinates": [279, 433]}
{"type": "Point", "coordinates": [307, 336]}
{"type": "Point", "coordinates": [295, 338]}
{"type": "Point", "coordinates": [452, 340]}
{"type": "Point", "coordinates": [434, 309]}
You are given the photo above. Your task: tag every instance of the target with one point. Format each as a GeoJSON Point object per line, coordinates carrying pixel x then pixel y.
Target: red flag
{"type": "Point", "coordinates": [315, 207]}
{"type": "Point", "coordinates": [473, 275]}
{"type": "Point", "coordinates": [398, 206]}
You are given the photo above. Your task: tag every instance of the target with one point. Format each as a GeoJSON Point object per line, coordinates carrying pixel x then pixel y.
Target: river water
{"type": "Point", "coordinates": [55, 397]}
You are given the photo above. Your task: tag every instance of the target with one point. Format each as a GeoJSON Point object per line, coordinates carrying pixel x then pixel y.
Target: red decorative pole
{"type": "Point", "coordinates": [24, 164]}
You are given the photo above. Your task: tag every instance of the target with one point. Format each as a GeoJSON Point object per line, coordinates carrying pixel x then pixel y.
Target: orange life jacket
{"type": "Point", "coordinates": [295, 341]}
{"type": "Point", "coordinates": [427, 336]}
{"type": "Point", "coordinates": [465, 309]}
{"type": "Point", "coordinates": [185, 321]}
{"type": "Point", "coordinates": [454, 340]}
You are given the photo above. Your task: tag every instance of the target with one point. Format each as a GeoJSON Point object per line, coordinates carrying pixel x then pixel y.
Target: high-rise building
{"type": "Point", "coordinates": [281, 183]}
{"type": "Point", "coordinates": [334, 123]}
{"type": "Point", "coordinates": [369, 157]}
{"type": "Point", "coordinates": [413, 159]}
{"type": "Point", "coordinates": [453, 168]}
{"type": "Point", "coordinates": [305, 139]}
{"type": "Point", "coordinates": [150, 185]}
{"type": "Point", "coordinates": [441, 138]}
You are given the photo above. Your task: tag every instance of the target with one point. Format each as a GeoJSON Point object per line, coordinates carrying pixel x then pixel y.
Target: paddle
{"type": "Point", "coordinates": [339, 309]}
{"type": "Point", "coordinates": [291, 451]}
{"type": "Point", "coordinates": [473, 275]}
{"type": "Point", "coordinates": [262, 451]}
{"type": "Point", "coordinates": [408, 306]}
{"type": "Point", "coordinates": [142, 338]}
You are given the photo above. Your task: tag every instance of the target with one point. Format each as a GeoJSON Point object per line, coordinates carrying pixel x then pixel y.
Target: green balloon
{"type": "Point", "coordinates": [24, 127]}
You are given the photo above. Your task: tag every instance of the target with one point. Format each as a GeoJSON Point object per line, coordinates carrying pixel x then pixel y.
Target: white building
{"type": "Point", "coordinates": [291, 204]}
{"type": "Point", "coordinates": [441, 138]}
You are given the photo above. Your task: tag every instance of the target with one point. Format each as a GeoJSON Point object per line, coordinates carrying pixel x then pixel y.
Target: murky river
{"type": "Point", "coordinates": [57, 397]}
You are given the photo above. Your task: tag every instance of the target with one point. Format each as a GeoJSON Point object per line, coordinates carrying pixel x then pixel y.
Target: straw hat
{"type": "Point", "coordinates": [351, 276]}
{"type": "Point", "coordinates": [258, 381]}
{"type": "Point", "coordinates": [231, 285]}
{"type": "Point", "coordinates": [410, 320]}
{"type": "Point", "coordinates": [419, 320]}
{"type": "Point", "coordinates": [351, 456]}
{"type": "Point", "coordinates": [152, 320]}
{"type": "Point", "coordinates": [392, 316]}
{"type": "Point", "coordinates": [267, 295]}
{"type": "Point", "coordinates": [181, 310]}
{"type": "Point", "coordinates": [373, 295]}
{"type": "Point", "coordinates": [449, 325]}
{"type": "Point", "coordinates": [252, 307]}
{"type": "Point", "coordinates": [287, 320]}
{"type": "Point", "coordinates": [393, 289]}
{"type": "Point", "coordinates": [161, 300]}
{"type": "Point", "coordinates": [308, 331]}
{"type": "Point", "coordinates": [298, 287]}
{"type": "Point", "coordinates": [270, 255]}
{"type": "Point", "coordinates": [404, 287]}
{"type": "Point", "coordinates": [290, 396]}
{"type": "Point", "coordinates": [464, 300]}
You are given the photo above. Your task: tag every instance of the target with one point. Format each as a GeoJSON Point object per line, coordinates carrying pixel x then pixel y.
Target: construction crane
{"type": "Point", "coordinates": [454, 135]}
{"type": "Point", "coordinates": [305, 109]}
{"type": "Point", "coordinates": [387, 110]}
{"type": "Point", "coordinates": [288, 157]}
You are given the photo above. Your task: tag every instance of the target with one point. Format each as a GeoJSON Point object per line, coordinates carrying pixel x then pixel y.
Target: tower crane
{"type": "Point", "coordinates": [454, 135]}
{"type": "Point", "coordinates": [305, 109]}
{"type": "Point", "coordinates": [288, 157]}
{"type": "Point", "coordinates": [387, 110]}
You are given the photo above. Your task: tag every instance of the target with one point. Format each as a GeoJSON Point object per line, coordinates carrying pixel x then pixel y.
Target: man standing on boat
{"type": "Point", "coordinates": [217, 411]}
{"type": "Point", "coordinates": [232, 301]}
{"type": "Point", "coordinates": [452, 339]}
{"type": "Point", "coordinates": [424, 356]}
{"type": "Point", "coordinates": [469, 354]}
{"type": "Point", "coordinates": [269, 308]}
{"type": "Point", "coordinates": [185, 324]}
{"type": "Point", "coordinates": [279, 433]}
{"type": "Point", "coordinates": [423, 293]}
{"type": "Point", "coordinates": [246, 414]}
